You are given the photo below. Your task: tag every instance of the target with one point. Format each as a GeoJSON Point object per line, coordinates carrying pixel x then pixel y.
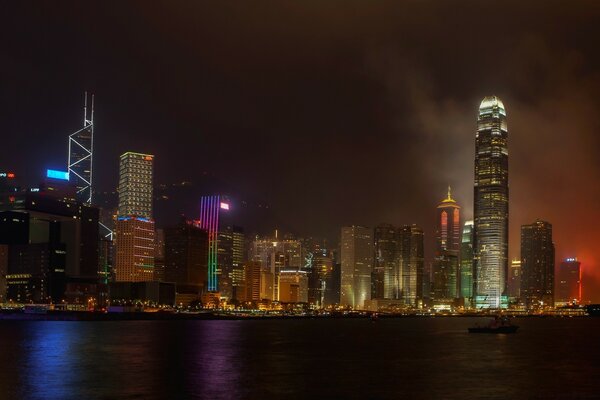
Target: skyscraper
{"type": "Point", "coordinates": [134, 233]}
{"type": "Point", "coordinates": [411, 264]}
{"type": "Point", "coordinates": [357, 264]}
{"type": "Point", "coordinates": [81, 156]}
{"type": "Point", "coordinates": [491, 205]}
{"type": "Point", "coordinates": [466, 263]}
{"type": "Point", "coordinates": [274, 255]}
{"type": "Point", "coordinates": [514, 279]}
{"type": "Point", "coordinates": [186, 248]}
{"type": "Point", "coordinates": [136, 185]}
{"type": "Point", "coordinates": [445, 266]}
{"type": "Point", "coordinates": [211, 209]}
{"type": "Point", "coordinates": [568, 282]}
{"type": "Point", "coordinates": [135, 249]}
{"type": "Point", "coordinates": [386, 246]}
{"type": "Point", "coordinates": [537, 265]}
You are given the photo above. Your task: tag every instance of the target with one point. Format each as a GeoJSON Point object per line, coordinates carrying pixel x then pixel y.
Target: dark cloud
{"type": "Point", "coordinates": [332, 112]}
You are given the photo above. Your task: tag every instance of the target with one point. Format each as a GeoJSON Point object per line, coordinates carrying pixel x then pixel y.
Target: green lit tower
{"type": "Point", "coordinates": [491, 205]}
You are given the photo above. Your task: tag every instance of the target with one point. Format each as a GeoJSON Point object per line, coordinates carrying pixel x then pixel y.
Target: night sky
{"type": "Point", "coordinates": [331, 112]}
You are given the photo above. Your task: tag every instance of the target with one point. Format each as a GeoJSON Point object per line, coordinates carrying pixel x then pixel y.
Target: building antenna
{"type": "Point", "coordinates": [85, 108]}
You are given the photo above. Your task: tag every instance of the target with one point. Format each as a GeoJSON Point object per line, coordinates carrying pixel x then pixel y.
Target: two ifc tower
{"type": "Point", "coordinates": [490, 230]}
{"type": "Point", "coordinates": [488, 265]}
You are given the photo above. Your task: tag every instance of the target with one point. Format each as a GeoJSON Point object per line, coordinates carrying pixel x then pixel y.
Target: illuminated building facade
{"type": "Point", "coordinates": [411, 264]}
{"type": "Point", "coordinates": [466, 263]}
{"type": "Point", "coordinates": [491, 205]}
{"type": "Point", "coordinates": [136, 185]}
{"type": "Point", "coordinates": [81, 156]}
{"type": "Point", "coordinates": [134, 249]}
{"type": "Point", "coordinates": [537, 265]}
{"type": "Point", "coordinates": [514, 279]}
{"type": "Point", "coordinates": [293, 286]}
{"type": "Point", "coordinates": [252, 272]}
{"type": "Point", "coordinates": [274, 255]}
{"type": "Point", "coordinates": [357, 258]}
{"type": "Point", "coordinates": [385, 273]}
{"type": "Point", "coordinates": [448, 241]}
{"type": "Point", "coordinates": [568, 283]}
{"type": "Point", "coordinates": [211, 213]}
{"type": "Point", "coordinates": [320, 284]}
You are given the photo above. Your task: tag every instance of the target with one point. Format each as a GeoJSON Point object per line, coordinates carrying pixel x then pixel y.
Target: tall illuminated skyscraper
{"type": "Point", "coordinates": [134, 239]}
{"type": "Point", "coordinates": [357, 264]}
{"type": "Point", "coordinates": [445, 266]}
{"type": "Point", "coordinates": [491, 205]}
{"type": "Point", "coordinates": [211, 210]}
{"type": "Point", "coordinates": [385, 271]}
{"type": "Point", "coordinates": [411, 264]}
{"type": "Point", "coordinates": [81, 156]}
{"type": "Point", "coordinates": [537, 265]}
{"type": "Point", "coordinates": [136, 185]}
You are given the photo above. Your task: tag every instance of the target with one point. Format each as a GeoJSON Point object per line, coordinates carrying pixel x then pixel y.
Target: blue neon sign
{"type": "Point", "coordinates": [54, 174]}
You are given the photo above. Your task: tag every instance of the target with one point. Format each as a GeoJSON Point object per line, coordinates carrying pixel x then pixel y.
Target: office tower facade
{"type": "Point", "coordinates": [357, 264]}
{"type": "Point", "coordinates": [386, 261]}
{"type": "Point", "coordinates": [320, 282]}
{"type": "Point", "coordinates": [514, 280]}
{"type": "Point", "coordinates": [212, 209]}
{"type": "Point", "coordinates": [230, 259]}
{"type": "Point", "coordinates": [537, 265]}
{"type": "Point", "coordinates": [275, 255]}
{"type": "Point", "coordinates": [491, 205]}
{"type": "Point", "coordinates": [81, 155]}
{"type": "Point", "coordinates": [252, 272]}
{"type": "Point", "coordinates": [47, 220]}
{"type": "Point", "coordinates": [159, 255]}
{"type": "Point", "coordinates": [293, 286]}
{"type": "Point", "coordinates": [185, 257]}
{"type": "Point", "coordinates": [136, 186]}
{"type": "Point", "coordinates": [568, 283]}
{"type": "Point", "coordinates": [134, 261]}
{"type": "Point", "coordinates": [448, 241]}
{"type": "Point", "coordinates": [411, 264]}
{"type": "Point", "coordinates": [466, 263]}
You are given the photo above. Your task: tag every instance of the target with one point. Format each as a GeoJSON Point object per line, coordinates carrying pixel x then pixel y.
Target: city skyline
{"type": "Point", "coordinates": [553, 109]}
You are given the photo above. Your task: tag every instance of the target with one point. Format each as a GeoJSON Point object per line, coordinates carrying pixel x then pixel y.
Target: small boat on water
{"type": "Point", "coordinates": [497, 325]}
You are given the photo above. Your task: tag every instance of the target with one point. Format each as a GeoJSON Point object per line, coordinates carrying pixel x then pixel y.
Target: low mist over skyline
{"type": "Point", "coordinates": [332, 113]}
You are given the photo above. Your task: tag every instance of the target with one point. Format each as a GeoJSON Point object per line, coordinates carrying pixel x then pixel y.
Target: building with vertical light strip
{"type": "Point", "coordinates": [134, 230]}
{"type": "Point", "coordinates": [466, 263]}
{"type": "Point", "coordinates": [211, 209]}
{"type": "Point", "coordinates": [491, 205]}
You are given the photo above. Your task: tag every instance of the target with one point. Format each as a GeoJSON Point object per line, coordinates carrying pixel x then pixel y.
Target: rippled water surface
{"type": "Point", "coordinates": [407, 358]}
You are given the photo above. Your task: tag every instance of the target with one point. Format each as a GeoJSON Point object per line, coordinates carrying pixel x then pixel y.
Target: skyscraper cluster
{"type": "Point", "coordinates": [57, 245]}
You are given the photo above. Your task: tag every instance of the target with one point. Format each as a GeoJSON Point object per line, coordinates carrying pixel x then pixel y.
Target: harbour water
{"type": "Point", "coordinates": [396, 358]}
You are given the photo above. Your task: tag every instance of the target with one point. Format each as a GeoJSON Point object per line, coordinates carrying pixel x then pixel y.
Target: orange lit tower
{"type": "Point", "coordinates": [448, 239]}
